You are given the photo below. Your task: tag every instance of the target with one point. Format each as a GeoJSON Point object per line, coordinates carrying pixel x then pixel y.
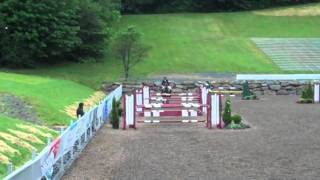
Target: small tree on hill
{"type": "Point", "coordinates": [129, 49]}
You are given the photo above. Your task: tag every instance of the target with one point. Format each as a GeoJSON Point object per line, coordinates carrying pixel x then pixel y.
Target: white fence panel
{"type": "Point", "coordinates": [53, 159]}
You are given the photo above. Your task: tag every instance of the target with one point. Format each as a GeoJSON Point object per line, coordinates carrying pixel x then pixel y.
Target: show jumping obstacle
{"type": "Point", "coordinates": [145, 106]}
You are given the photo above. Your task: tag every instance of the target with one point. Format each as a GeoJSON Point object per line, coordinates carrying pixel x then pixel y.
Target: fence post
{"type": "Point", "coordinates": [33, 153]}
{"type": "Point", "coordinates": [48, 141]}
{"type": "Point", "coordinates": [9, 168]}
{"type": "Point", "coordinates": [62, 163]}
{"type": "Point", "coordinates": [71, 151]}
{"type": "Point", "coordinates": [85, 135]}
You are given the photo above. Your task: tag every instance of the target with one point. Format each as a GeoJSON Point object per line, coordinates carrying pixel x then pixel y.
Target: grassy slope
{"type": "Point", "coordinates": [49, 96]}
{"type": "Point", "coordinates": [18, 160]}
{"type": "Point", "coordinates": [214, 42]}
{"type": "Point", "coordinates": [186, 43]}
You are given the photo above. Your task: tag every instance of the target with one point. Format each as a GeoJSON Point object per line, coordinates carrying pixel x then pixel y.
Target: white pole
{"type": "Point", "coordinates": [316, 93]}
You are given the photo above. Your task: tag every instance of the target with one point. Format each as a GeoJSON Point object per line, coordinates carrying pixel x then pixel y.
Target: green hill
{"type": "Point", "coordinates": [218, 42]}
{"type": "Point", "coordinates": [49, 99]}
{"type": "Point", "coordinates": [49, 96]}
{"type": "Point", "coordinates": [195, 42]}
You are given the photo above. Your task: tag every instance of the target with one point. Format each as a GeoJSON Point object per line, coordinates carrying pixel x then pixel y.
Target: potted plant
{"type": "Point", "coordinates": [226, 116]}
{"type": "Point", "coordinates": [232, 121]}
{"type": "Point", "coordinates": [307, 95]}
{"type": "Point", "coordinates": [246, 93]}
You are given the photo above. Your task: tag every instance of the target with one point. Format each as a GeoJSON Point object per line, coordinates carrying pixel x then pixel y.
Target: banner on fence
{"type": "Point", "coordinates": [43, 164]}
{"type": "Point", "coordinates": [47, 161]}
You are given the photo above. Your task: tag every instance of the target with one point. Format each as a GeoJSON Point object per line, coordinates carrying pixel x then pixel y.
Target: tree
{"type": "Point", "coordinates": [91, 33]}
{"type": "Point", "coordinates": [37, 30]}
{"type": "Point", "coordinates": [52, 31]}
{"type": "Point", "coordinates": [129, 49]}
{"type": "Point", "coordinates": [162, 6]}
{"type": "Point", "coordinates": [95, 19]}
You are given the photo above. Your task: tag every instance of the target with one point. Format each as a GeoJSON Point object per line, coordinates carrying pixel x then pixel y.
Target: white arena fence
{"type": "Point", "coordinates": [59, 154]}
{"type": "Point", "coordinates": [278, 77]}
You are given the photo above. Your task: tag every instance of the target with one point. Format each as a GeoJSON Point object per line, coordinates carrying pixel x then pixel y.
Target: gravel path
{"type": "Point", "coordinates": [283, 143]}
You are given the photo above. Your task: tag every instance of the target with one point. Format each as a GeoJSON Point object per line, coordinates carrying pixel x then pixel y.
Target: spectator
{"type": "Point", "coordinates": [80, 111]}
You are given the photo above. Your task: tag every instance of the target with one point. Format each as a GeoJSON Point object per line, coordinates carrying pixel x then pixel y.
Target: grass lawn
{"type": "Point", "coordinates": [48, 96]}
{"type": "Point", "coordinates": [218, 42]}
{"type": "Point", "coordinates": [187, 43]}
{"type": "Point", "coordinates": [16, 137]}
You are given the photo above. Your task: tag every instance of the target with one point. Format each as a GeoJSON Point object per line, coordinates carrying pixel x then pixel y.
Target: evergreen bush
{"type": "Point", "coordinates": [227, 112]}
{"type": "Point", "coordinates": [236, 119]}
{"type": "Point", "coordinates": [115, 115]}
{"type": "Point", "coordinates": [307, 93]}
{"type": "Point", "coordinates": [246, 93]}
{"type": "Point", "coordinates": [246, 90]}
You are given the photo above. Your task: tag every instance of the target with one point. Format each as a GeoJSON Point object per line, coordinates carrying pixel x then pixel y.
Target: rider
{"type": "Point", "coordinates": [165, 86]}
{"type": "Point", "coordinates": [165, 82]}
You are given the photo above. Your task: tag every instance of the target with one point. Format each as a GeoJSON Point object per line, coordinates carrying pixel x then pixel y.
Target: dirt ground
{"type": "Point", "coordinates": [16, 107]}
{"type": "Point", "coordinates": [283, 143]}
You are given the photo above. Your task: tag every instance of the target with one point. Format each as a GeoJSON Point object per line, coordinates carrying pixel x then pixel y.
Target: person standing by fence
{"type": "Point", "coordinates": [80, 111]}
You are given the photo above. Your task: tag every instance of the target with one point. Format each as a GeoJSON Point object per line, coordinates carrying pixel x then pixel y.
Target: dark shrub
{"type": "Point", "coordinates": [227, 112]}
{"type": "Point", "coordinates": [236, 119]}
{"type": "Point", "coordinates": [116, 112]}
{"type": "Point", "coordinates": [246, 90]}
{"type": "Point", "coordinates": [307, 93]}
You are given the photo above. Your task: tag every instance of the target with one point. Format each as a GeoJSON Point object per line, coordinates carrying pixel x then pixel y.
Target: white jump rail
{"type": "Point", "coordinates": [138, 101]}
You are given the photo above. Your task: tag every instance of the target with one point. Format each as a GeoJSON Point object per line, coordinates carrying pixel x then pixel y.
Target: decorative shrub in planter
{"type": "Point", "coordinates": [246, 93]}
{"type": "Point", "coordinates": [232, 121]}
{"type": "Point", "coordinates": [307, 95]}
{"type": "Point", "coordinates": [115, 115]}
{"type": "Point", "coordinates": [236, 119]}
{"type": "Point", "coordinates": [226, 116]}
{"type": "Point", "coordinates": [233, 125]}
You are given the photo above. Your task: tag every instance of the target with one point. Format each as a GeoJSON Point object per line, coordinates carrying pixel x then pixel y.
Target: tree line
{"type": "Point", "coordinates": [167, 6]}
{"type": "Point", "coordinates": [47, 31]}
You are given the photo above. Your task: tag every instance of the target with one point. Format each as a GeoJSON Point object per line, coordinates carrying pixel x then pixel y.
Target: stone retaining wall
{"type": "Point", "coordinates": [259, 87]}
